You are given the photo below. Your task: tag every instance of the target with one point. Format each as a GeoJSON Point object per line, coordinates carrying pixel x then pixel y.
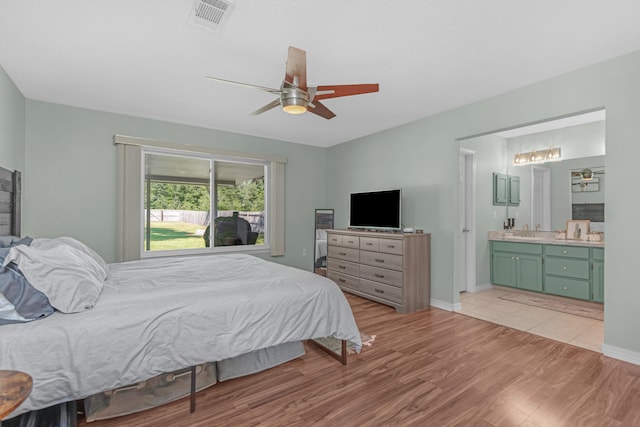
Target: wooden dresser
{"type": "Point", "coordinates": [390, 268]}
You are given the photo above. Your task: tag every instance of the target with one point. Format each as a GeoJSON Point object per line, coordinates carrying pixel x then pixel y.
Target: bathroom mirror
{"type": "Point", "coordinates": [323, 222]}
{"type": "Point", "coordinates": [547, 197]}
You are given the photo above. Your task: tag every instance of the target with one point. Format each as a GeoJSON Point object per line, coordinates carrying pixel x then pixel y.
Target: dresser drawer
{"type": "Point", "coordinates": [391, 246]}
{"type": "Point", "coordinates": [341, 266]}
{"type": "Point", "coordinates": [380, 290]}
{"type": "Point", "coordinates": [346, 254]}
{"type": "Point", "coordinates": [376, 274]}
{"type": "Point", "coordinates": [379, 259]}
{"type": "Point", "coordinates": [567, 267]}
{"type": "Point", "coordinates": [370, 243]}
{"type": "Point", "coordinates": [334, 239]}
{"type": "Point", "coordinates": [344, 280]}
{"type": "Point", "coordinates": [567, 251]}
{"type": "Point", "coordinates": [566, 287]}
{"type": "Point", "coordinates": [351, 241]}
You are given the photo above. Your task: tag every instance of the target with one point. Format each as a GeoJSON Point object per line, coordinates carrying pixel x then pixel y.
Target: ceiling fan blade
{"type": "Point", "coordinates": [320, 110]}
{"type": "Point", "coordinates": [296, 72]}
{"type": "Point", "coordinates": [335, 91]}
{"type": "Point", "coordinates": [266, 89]}
{"type": "Point", "coordinates": [273, 104]}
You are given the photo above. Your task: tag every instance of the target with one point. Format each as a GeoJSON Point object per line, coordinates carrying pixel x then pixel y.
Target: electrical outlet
{"type": "Point", "coordinates": [304, 252]}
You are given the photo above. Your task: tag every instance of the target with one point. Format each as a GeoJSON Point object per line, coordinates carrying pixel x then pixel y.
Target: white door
{"type": "Point", "coordinates": [540, 198]}
{"type": "Point", "coordinates": [467, 238]}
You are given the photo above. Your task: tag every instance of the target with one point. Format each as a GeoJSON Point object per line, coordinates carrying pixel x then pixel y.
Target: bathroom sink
{"type": "Point", "coordinates": [524, 237]}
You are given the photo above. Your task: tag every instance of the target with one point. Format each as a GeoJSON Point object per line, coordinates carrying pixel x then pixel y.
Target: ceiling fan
{"type": "Point", "coordinates": [295, 96]}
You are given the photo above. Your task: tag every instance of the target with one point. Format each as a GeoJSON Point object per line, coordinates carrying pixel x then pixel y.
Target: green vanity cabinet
{"type": "Point", "coordinates": [597, 271]}
{"type": "Point", "coordinates": [506, 190]}
{"type": "Point", "coordinates": [518, 265]}
{"type": "Point", "coordinates": [567, 271]}
{"type": "Point", "coordinates": [564, 270]}
{"type": "Point", "coordinates": [500, 189]}
{"type": "Point", "coordinates": [514, 191]}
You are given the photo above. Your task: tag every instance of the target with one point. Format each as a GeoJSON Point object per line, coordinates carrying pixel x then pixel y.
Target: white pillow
{"type": "Point", "coordinates": [70, 278]}
{"type": "Point", "coordinates": [77, 244]}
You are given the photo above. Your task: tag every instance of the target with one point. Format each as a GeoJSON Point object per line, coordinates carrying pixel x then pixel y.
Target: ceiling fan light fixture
{"type": "Point", "coordinates": [294, 107]}
{"type": "Point", "coordinates": [294, 101]}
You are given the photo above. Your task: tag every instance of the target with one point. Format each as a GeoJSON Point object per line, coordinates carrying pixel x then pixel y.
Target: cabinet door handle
{"type": "Point", "coordinates": [565, 251]}
{"type": "Point", "coordinates": [379, 260]}
{"type": "Point", "coordinates": [513, 257]}
{"type": "Point", "coordinates": [517, 258]}
{"type": "Point", "coordinates": [379, 276]}
{"type": "Point", "coordinates": [380, 291]}
{"type": "Point", "coordinates": [341, 280]}
{"type": "Point", "coordinates": [565, 288]}
{"type": "Point", "coordinates": [564, 267]}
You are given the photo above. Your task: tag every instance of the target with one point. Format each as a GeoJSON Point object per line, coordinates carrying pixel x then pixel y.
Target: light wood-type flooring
{"type": "Point", "coordinates": [431, 368]}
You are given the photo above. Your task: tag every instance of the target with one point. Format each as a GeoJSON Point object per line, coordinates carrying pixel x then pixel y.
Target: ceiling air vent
{"type": "Point", "coordinates": [211, 14]}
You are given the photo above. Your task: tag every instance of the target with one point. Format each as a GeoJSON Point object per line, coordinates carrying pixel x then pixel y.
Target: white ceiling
{"type": "Point", "coordinates": [143, 58]}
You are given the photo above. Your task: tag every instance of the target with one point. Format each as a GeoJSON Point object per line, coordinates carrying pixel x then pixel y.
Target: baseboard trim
{"type": "Point", "coordinates": [485, 287]}
{"type": "Point", "coordinates": [621, 354]}
{"type": "Point", "coordinates": [444, 305]}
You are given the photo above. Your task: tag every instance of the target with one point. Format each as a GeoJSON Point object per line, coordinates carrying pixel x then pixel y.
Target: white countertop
{"type": "Point", "coordinates": [542, 237]}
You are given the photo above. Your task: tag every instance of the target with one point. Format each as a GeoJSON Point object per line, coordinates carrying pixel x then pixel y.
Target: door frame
{"type": "Point", "coordinates": [470, 203]}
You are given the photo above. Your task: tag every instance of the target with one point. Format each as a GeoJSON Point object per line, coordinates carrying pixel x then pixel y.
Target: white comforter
{"type": "Point", "coordinates": [159, 315]}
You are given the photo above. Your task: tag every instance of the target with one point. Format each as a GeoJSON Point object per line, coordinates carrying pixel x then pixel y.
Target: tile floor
{"type": "Point", "coordinates": [576, 330]}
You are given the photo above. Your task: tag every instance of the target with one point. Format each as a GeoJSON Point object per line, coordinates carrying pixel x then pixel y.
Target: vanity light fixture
{"type": "Point", "coordinates": [540, 156]}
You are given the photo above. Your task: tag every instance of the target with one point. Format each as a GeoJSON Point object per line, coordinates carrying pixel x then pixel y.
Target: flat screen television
{"type": "Point", "coordinates": [379, 210]}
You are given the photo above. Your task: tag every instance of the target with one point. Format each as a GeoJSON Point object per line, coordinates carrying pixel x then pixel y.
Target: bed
{"type": "Point", "coordinates": [160, 315]}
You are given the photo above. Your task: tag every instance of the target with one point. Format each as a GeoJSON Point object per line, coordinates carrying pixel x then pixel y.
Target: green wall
{"type": "Point", "coordinates": [71, 170]}
{"type": "Point", "coordinates": [12, 118]}
{"type": "Point", "coordinates": [422, 158]}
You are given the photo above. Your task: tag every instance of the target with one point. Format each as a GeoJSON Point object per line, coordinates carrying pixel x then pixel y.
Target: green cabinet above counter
{"type": "Point", "coordinates": [569, 271]}
{"type": "Point", "coordinates": [506, 190]}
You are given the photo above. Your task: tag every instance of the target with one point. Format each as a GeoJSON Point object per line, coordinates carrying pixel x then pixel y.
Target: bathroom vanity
{"type": "Point", "coordinates": [540, 262]}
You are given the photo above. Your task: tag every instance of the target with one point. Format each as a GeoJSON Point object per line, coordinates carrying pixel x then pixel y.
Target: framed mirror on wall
{"type": "Point", "coordinates": [323, 222]}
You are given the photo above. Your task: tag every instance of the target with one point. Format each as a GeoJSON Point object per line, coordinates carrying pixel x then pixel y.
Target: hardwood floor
{"type": "Point", "coordinates": [430, 368]}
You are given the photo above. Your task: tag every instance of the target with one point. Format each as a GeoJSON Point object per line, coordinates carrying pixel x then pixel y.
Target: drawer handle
{"type": "Point", "coordinates": [350, 241]}
{"type": "Point", "coordinates": [379, 260]}
{"type": "Point", "coordinates": [369, 244]}
{"type": "Point", "coordinates": [343, 267]}
{"type": "Point", "coordinates": [342, 253]}
{"type": "Point", "coordinates": [341, 280]}
{"type": "Point", "coordinates": [513, 257]}
{"type": "Point", "coordinates": [380, 291]}
{"type": "Point", "coordinates": [379, 276]}
{"type": "Point", "coordinates": [564, 268]}
{"type": "Point", "coordinates": [334, 240]}
{"type": "Point", "coordinates": [565, 251]}
{"type": "Point", "coordinates": [565, 288]}
{"type": "Point", "coordinates": [391, 246]}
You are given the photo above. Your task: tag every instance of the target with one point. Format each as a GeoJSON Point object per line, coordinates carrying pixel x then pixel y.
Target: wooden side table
{"type": "Point", "coordinates": [15, 387]}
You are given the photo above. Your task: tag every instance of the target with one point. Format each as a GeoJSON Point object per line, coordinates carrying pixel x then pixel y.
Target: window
{"type": "Point", "coordinates": [179, 201]}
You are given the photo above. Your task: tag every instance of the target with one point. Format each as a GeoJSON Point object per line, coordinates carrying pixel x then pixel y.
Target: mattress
{"type": "Point", "coordinates": [160, 315]}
